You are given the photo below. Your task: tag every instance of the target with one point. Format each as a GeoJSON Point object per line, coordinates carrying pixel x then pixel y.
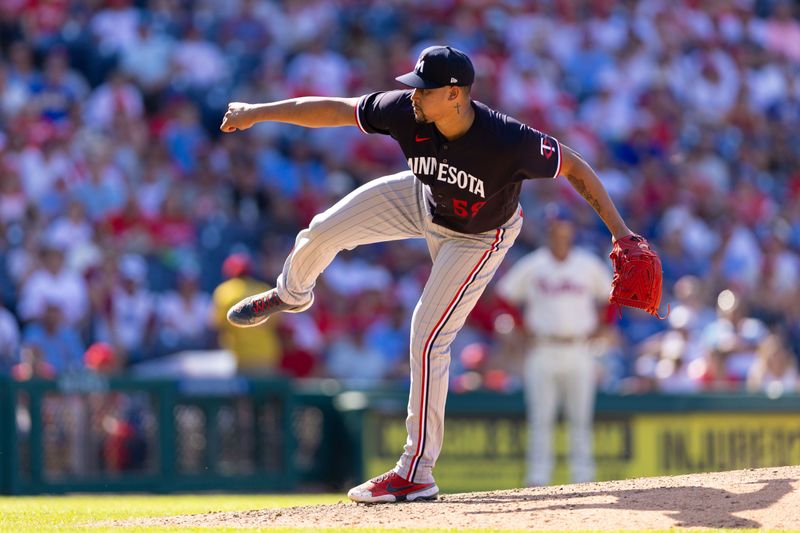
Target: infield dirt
{"type": "Point", "coordinates": [766, 498]}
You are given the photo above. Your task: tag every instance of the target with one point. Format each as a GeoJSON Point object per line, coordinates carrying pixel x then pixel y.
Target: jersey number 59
{"type": "Point", "coordinates": [464, 210]}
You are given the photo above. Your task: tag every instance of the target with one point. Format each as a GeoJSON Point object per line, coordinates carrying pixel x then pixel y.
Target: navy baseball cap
{"type": "Point", "coordinates": [440, 66]}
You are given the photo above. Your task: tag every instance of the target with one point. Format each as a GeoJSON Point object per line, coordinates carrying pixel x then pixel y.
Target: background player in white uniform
{"type": "Point", "coordinates": [560, 289]}
{"type": "Point", "coordinates": [467, 164]}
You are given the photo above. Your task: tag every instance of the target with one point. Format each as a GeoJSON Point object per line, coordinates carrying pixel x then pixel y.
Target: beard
{"type": "Point", "coordinates": [420, 117]}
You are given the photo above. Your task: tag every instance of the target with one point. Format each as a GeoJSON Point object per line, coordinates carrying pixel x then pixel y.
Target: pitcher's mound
{"type": "Point", "coordinates": [767, 498]}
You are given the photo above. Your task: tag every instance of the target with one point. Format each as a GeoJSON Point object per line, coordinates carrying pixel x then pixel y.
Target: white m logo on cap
{"type": "Point", "coordinates": [419, 66]}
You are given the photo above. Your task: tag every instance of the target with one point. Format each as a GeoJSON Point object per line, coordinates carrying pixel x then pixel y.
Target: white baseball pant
{"type": "Point", "coordinates": [393, 208]}
{"type": "Point", "coordinates": [559, 374]}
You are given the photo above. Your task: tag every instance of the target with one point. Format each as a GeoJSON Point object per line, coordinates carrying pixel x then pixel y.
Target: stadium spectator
{"type": "Point", "coordinates": [43, 161]}
{"type": "Point", "coordinates": [72, 229]}
{"type": "Point", "coordinates": [13, 199]}
{"type": "Point", "coordinates": [113, 26]}
{"type": "Point", "coordinates": [130, 225]}
{"type": "Point", "coordinates": [257, 350]}
{"type": "Point", "coordinates": [774, 372]}
{"type": "Point", "coordinates": [670, 361]}
{"type": "Point", "coordinates": [183, 136]}
{"type": "Point", "coordinates": [22, 67]}
{"type": "Point", "coordinates": [58, 92]}
{"type": "Point", "coordinates": [126, 316]}
{"type": "Point", "coordinates": [58, 341]}
{"type": "Point", "coordinates": [104, 192]}
{"type": "Point", "coordinates": [778, 278]}
{"type": "Point", "coordinates": [182, 316]}
{"type": "Point", "coordinates": [354, 362]}
{"type": "Point", "coordinates": [114, 98]}
{"type": "Point", "coordinates": [51, 282]}
{"type": "Point", "coordinates": [148, 63]}
{"type": "Point", "coordinates": [14, 93]}
{"type": "Point", "coordinates": [197, 62]}
{"type": "Point", "coordinates": [389, 334]}
{"type": "Point", "coordinates": [729, 344]}
{"type": "Point", "coordinates": [32, 365]}
{"type": "Point", "coordinates": [296, 360]}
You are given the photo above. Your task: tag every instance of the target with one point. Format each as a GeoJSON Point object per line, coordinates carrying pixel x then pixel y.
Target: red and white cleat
{"type": "Point", "coordinates": [391, 488]}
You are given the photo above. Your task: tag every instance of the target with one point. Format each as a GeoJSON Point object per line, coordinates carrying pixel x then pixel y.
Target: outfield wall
{"type": "Point", "coordinates": [635, 436]}
{"type": "Point", "coordinates": [86, 433]}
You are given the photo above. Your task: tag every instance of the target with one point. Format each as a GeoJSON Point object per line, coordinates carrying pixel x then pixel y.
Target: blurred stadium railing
{"type": "Point", "coordinates": [94, 434]}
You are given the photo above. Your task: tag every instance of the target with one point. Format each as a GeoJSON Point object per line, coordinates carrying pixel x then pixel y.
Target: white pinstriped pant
{"type": "Point", "coordinates": [559, 376]}
{"type": "Point", "coordinates": [393, 208]}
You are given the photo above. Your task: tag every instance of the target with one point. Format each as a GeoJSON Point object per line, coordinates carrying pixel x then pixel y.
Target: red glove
{"type": "Point", "coordinates": [637, 275]}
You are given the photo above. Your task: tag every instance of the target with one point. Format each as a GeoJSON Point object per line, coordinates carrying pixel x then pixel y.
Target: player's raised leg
{"type": "Point", "coordinates": [463, 266]}
{"type": "Point", "coordinates": [384, 209]}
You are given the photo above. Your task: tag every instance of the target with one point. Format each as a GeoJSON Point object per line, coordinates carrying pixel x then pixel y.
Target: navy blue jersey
{"type": "Point", "coordinates": [474, 180]}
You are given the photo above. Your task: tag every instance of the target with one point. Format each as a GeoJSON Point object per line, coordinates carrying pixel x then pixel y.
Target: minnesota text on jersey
{"type": "Point", "coordinates": [429, 166]}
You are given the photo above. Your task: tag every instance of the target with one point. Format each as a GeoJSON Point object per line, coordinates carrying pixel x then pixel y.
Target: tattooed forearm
{"type": "Point", "coordinates": [586, 183]}
{"type": "Point", "coordinates": [580, 186]}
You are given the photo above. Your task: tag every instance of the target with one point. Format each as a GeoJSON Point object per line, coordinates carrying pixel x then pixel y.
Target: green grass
{"type": "Point", "coordinates": [79, 513]}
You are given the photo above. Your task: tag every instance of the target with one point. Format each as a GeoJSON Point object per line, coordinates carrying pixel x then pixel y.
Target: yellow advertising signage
{"type": "Point", "coordinates": [488, 452]}
{"type": "Point", "coordinates": [702, 442]}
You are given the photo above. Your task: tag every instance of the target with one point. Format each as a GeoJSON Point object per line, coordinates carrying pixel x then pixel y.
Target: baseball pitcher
{"type": "Point", "coordinates": [460, 193]}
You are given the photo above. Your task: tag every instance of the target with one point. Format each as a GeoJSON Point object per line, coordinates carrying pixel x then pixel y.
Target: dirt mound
{"type": "Point", "coordinates": [767, 498]}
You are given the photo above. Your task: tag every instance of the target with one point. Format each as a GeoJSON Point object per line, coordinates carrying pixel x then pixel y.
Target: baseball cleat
{"type": "Point", "coordinates": [391, 488]}
{"type": "Point", "coordinates": [255, 310]}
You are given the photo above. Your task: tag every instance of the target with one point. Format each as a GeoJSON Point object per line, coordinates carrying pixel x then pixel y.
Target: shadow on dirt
{"type": "Point", "coordinates": [689, 506]}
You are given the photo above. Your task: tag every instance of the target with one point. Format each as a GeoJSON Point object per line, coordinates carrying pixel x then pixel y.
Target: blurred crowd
{"type": "Point", "coordinates": [128, 223]}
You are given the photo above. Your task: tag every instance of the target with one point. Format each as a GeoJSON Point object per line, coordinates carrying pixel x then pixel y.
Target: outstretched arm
{"type": "Point", "coordinates": [308, 111]}
{"type": "Point", "coordinates": [587, 184]}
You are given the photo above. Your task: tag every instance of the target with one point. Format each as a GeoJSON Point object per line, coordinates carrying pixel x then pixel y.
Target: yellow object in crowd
{"type": "Point", "coordinates": [257, 350]}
